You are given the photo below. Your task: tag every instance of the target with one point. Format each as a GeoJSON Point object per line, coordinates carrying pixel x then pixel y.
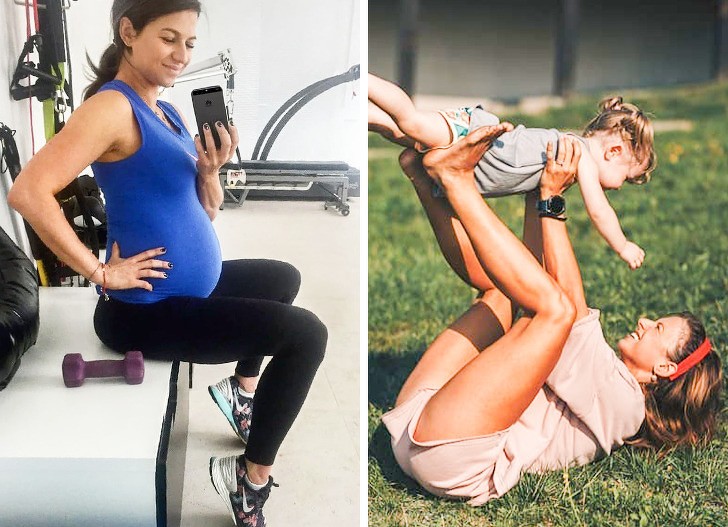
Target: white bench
{"type": "Point", "coordinates": [106, 453]}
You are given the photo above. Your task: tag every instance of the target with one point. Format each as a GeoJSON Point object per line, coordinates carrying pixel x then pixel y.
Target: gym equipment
{"type": "Point", "coordinates": [92, 204]}
{"type": "Point", "coordinates": [260, 174]}
{"type": "Point", "coordinates": [123, 467]}
{"type": "Point", "coordinates": [333, 181]}
{"type": "Point", "coordinates": [76, 370]}
{"type": "Point", "coordinates": [291, 176]}
{"type": "Point", "coordinates": [52, 86]}
{"type": "Point", "coordinates": [19, 321]}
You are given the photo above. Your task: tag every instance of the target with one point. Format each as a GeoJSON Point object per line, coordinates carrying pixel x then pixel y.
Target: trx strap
{"type": "Point", "coordinates": [9, 157]}
{"type": "Point", "coordinates": [56, 94]}
{"type": "Point", "coordinates": [53, 59]}
{"type": "Point", "coordinates": [45, 85]}
{"type": "Point", "coordinates": [50, 42]}
{"type": "Point", "coordinates": [30, 44]}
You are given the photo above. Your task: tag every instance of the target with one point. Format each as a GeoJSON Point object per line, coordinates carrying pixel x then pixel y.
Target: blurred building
{"type": "Point", "coordinates": [516, 48]}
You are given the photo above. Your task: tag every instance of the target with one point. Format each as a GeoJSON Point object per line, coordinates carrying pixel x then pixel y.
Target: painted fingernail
{"type": "Point", "coordinates": [231, 122]}
{"type": "Point", "coordinates": [164, 274]}
{"type": "Point", "coordinates": [206, 126]}
{"type": "Point", "coordinates": [219, 124]}
{"type": "Point", "coordinates": [164, 250]}
{"type": "Point", "coordinates": [169, 265]}
{"type": "Point", "coordinates": [197, 136]}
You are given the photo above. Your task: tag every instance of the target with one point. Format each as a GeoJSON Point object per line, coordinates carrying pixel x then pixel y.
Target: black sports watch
{"type": "Point", "coordinates": [553, 207]}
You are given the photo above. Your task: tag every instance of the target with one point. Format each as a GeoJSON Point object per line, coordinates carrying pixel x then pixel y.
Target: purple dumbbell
{"type": "Point", "coordinates": [76, 370]}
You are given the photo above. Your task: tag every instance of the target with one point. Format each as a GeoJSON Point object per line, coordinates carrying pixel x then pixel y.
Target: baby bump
{"type": "Point", "coordinates": [192, 249]}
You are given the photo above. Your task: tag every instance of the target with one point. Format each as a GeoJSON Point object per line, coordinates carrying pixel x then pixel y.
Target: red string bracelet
{"type": "Point", "coordinates": [92, 274]}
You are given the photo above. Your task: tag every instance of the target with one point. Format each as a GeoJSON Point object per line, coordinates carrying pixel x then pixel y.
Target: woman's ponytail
{"type": "Point", "coordinates": [106, 70]}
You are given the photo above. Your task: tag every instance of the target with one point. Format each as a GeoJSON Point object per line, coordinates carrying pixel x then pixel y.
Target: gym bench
{"type": "Point", "coordinates": [106, 453]}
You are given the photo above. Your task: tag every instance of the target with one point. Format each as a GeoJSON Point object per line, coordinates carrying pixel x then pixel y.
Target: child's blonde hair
{"type": "Point", "coordinates": [634, 127]}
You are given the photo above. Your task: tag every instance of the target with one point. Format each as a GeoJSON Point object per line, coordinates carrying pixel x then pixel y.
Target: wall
{"type": "Point", "coordinates": [645, 45]}
{"type": "Point", "coordinates": [505, 50]}
{"type": "Point", "coordinates": [280, 48]}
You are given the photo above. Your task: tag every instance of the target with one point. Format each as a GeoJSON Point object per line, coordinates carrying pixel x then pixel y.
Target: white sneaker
{"type": "Point", "coordinates": [244, 503]}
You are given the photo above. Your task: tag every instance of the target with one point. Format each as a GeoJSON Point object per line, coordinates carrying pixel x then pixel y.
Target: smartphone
{"type": "Point", "coordinates": [209, 106]}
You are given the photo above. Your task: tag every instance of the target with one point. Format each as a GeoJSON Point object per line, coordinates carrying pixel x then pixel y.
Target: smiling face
{"type": "Point", "coordinates": [647, 350]}
{"type": "Point", "coordinates": [162, 49]}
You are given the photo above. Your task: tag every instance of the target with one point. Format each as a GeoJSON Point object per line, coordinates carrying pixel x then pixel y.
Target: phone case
{"type": "Point", "coordinates": [209, 106]}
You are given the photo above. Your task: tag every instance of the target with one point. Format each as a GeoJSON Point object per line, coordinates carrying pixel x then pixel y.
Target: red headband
{"type": "Point", "coordinates": [692, 359]}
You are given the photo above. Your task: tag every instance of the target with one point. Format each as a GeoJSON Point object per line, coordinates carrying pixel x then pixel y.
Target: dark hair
{"type": "Point", "coordinates": [683, 412]}
{"type": "Point", "coordinates": [140, 13]}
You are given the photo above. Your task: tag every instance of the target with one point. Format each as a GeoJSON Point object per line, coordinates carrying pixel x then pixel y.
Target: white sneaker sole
{"type": "Point", "coordinates": [224, 479]}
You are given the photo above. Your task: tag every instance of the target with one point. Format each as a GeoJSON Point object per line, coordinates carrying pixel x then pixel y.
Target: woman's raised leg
{"type": "Point", "coordinates": [492, 390]}
{"type": "Point", "coordinates": [489, 317]}
{"type": "Point", "coordinates": [449, 232]}
{"type": "Point", "coordinates": [472, 332]}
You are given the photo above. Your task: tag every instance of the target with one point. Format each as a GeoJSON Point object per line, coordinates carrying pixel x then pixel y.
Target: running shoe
{"type": "Point", "coordinates": [236, 407]}
{"type": "Point", "coordinates": [244, 503]}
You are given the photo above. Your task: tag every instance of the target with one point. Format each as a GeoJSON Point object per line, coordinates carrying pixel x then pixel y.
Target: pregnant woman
{"type": "Point", "coordinates": [165, 289]}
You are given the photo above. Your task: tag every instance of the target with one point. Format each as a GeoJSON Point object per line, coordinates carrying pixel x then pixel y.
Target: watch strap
{"type": "Point", "coordinates": [559, 217]}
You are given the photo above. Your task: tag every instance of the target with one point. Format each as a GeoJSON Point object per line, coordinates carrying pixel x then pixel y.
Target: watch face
{"type": "Point", "coordinates": [557, 205]}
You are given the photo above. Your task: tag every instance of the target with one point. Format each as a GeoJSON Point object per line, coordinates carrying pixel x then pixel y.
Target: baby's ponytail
{"type": "Point", "coordinates": [610, 104]}
{"type": "Point", "coordinates": [617, 116]}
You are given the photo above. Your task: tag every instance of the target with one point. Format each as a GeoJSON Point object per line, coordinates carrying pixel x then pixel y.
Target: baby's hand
{"type": "Point", "coordinates": [633, 255]}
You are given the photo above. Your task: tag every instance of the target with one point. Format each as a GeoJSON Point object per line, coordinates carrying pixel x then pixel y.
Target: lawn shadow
{"type": "Point", "coordinates": [387, 372]}
{"type": "Point", "coordinates": [380, 449]}
{"type": "Point", "coordinates": [388, 369]}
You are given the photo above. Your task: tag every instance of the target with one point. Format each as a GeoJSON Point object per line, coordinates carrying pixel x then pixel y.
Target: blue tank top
{"type": "Point", "coordinates": [151, 201]}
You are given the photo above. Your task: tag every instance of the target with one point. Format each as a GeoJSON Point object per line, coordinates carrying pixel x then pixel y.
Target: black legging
{"type": "Point", "coordinates": [247, 316]}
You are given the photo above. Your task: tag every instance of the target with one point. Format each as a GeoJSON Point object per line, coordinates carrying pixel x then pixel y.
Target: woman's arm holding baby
{"type": "Point", "coordinates": [557, 252]}
{"type": "Point", "coordinates": [532, 237]}
{"type": "Point", "coordinates": [603, 216]}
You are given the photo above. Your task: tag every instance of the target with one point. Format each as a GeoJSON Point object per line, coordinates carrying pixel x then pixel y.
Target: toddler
{"type": "Point", "coordinates": [619, 147]}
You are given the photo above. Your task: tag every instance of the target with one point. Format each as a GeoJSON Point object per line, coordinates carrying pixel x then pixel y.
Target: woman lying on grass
{"type": "Point", "coordinates": [494, 397]}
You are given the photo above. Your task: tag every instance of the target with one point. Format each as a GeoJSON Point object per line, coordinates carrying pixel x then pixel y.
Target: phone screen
{"type": "Point", "coordinates": [209, 106]}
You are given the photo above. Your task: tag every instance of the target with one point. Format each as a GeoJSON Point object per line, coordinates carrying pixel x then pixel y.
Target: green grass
{"type": "Point", "coordinates": [680, 219]}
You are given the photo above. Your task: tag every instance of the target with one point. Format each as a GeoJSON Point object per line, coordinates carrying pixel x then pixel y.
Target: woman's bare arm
{"type": "Point", "coordinates": [95, 128]}
{"type": "Point", "coordinates": [531, 226]}
{"type": "Point", "coordinates": [558, 254]}
{"type": "Point", "coordinates": [92, 130]}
